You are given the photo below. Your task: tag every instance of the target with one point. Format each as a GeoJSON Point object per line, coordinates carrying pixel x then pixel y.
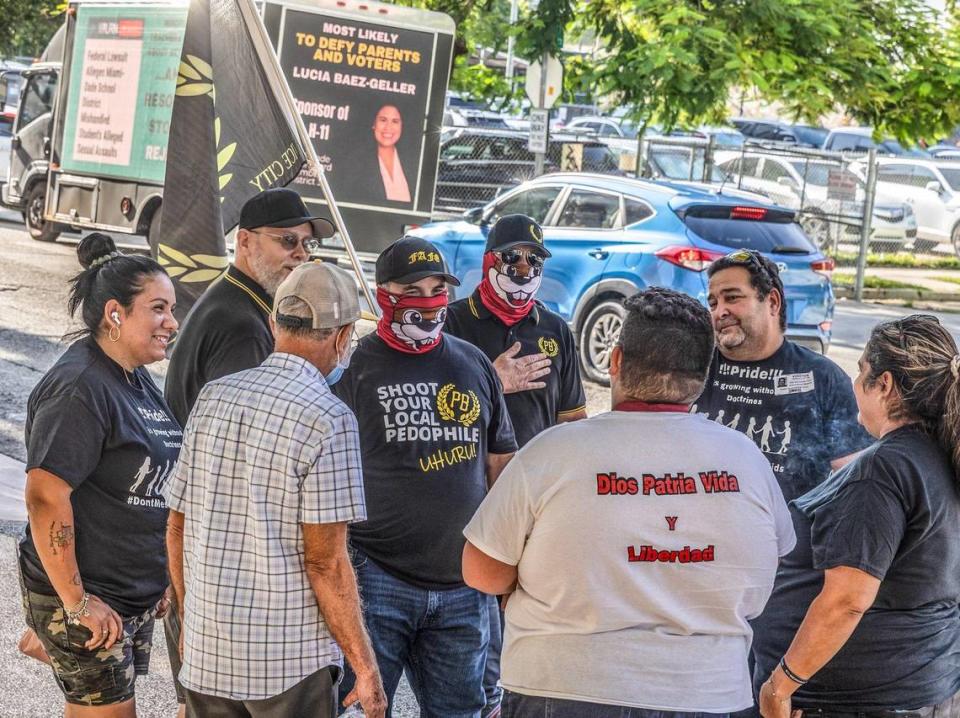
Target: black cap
{"type": "Point", "coordinates": [515, 230]}
{"type": "Point", "coordinates": [281, 207]}
{"type": "Point", "coordinates": [411, 259]}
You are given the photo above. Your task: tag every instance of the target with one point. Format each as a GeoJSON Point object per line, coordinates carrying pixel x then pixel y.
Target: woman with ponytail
{"type": "Point", "coordinates": [100, 445]}
{"type": "Point", "coordinates": [883, 635]}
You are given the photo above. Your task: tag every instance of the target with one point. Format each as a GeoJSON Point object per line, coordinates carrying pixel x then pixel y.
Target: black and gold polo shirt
{"type": "Point", "coordinates": [226, 331]}
{"type": "Point", "coordinates": [540, 331]}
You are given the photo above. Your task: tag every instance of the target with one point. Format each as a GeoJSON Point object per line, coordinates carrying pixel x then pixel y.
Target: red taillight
{"type": "Point", "coordinates": [691, 258]}
{"type": "Point", "coordinates": [755, 213]}
{"type": "Point", "coordinates": [827, 325]}
{"type": "Point", "coordinates": [824, 266]}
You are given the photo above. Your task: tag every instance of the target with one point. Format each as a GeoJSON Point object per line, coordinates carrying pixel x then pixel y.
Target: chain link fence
{"type": "Point", "coordinates": [476, 166]}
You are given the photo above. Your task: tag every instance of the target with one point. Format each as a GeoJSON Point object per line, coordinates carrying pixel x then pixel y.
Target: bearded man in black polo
{"type": "Point", "coordinates": [533, 353]}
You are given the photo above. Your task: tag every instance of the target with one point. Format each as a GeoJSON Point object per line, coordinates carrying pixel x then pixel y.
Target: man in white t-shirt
{"type": "Point", "coordinates": [636, 544]}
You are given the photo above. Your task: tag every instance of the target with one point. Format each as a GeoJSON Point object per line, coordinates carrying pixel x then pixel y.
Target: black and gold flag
{"type": "Point", "coordinates": [231, 136]}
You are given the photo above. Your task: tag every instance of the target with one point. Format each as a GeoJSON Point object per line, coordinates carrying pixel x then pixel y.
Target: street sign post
{"type": "Point", "coordinates": [544, 84]}
{"type": "Point", "coordinates": [539, 127]}
{"type": "Point", "coordinates": [543, 88]}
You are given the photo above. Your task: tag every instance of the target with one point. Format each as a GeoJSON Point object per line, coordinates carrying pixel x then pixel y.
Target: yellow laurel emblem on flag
{"type": "Point", "coordinates": [548, 346]}
{"type": "Point", "coordinates": [455, 405]}
{"type": "Point", "coordinates": [192, 267]}
{"type": "Point", "coordinates": [195, 79]}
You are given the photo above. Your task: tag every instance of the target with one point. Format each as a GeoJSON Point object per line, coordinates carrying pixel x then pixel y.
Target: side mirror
{"type": "Point", "coordinates": [934, 186]}
{"type": "Point", "coordinates": [15, 142]}
{"type": "Point", "coordinates": [474, 215]}
{"type": "Point", "coordinates": [787, 182]}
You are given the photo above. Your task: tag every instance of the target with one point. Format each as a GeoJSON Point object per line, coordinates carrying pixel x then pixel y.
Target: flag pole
{"type": "Point", "coordinates": [275, 73]}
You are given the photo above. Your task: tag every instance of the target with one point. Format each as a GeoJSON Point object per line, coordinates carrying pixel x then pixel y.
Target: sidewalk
{"type": "Point", "coordinates": [12, 481]}
{"type": "Point", "coordinates": [929, 282]}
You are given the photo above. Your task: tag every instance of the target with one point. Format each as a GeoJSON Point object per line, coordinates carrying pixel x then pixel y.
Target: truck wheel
{"type": "Point", "coordinates": [599, 335]}
{"type": "Point", "coordinates": [955, 238]}
{"type": "Point", "coordinates": [153, 232]}
{"type": "Point", "coordinates": [39, 228]}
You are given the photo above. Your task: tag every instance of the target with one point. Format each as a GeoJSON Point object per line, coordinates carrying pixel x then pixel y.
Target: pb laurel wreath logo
{"type": "Point", "coordinates": [455, 405]}
{"type": "Point", "coordinates": [548, 346]}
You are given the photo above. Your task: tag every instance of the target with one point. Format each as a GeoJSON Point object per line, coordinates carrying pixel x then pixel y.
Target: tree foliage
{"type": "Point", "coordinates": [891, 64]}
{"type": "Point", "coordinates": [27, 25]}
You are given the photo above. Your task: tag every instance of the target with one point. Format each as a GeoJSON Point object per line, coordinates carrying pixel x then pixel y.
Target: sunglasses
{"type": "Point", "coordinates": [291, 241]}
{"type": "Point", "coordinates": [511, 257]}
{"type": "Point", "coordinates": [745, 256]}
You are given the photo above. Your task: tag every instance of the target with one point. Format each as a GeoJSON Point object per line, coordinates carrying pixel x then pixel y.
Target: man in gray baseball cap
{"type": "Point", "coordinates": [272, 464]}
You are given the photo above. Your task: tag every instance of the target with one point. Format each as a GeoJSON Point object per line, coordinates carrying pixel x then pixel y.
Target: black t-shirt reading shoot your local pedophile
{"type": "Point", "coordinates": [111, 437]}
{"type": "Point", "coordinates": [427, 422]}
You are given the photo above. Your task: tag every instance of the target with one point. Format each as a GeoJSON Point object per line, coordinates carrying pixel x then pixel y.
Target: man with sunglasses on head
{"type": "Point", "coordinates": [531, 348]}
{"type": "Point", "coordinates": [434, 435]}
{"type": "Point", "coordinates": [228, 329]}
{"type": "Point", "coordinates": [795, 404]}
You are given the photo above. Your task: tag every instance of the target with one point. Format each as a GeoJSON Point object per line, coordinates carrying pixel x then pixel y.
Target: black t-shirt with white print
{"type": "Point", "coordinates": [800, 410]}
{"type": "Point", "coordinates": [112, 438]}
{"type": "Point", "coordinates": [427, 422]}
{"type": "Point", "coordinates": [796, 405]}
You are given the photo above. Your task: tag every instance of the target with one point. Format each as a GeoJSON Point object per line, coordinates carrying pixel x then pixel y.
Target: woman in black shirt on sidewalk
{"type": "Point", "coordinates": [100, 445]}
{"type": "Point", "coordinates": [883, 635]}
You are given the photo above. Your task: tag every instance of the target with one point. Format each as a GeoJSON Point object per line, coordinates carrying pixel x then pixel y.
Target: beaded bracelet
{"type": "Point", "coordinates": [790, 674]}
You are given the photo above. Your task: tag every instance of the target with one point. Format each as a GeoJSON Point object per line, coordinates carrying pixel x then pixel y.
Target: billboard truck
{"type": "Point", "coordinates": [369, 80]}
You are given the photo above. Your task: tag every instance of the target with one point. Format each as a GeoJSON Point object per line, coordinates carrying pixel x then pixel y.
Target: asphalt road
{"type": "Point", "coordinates": [33, 320]}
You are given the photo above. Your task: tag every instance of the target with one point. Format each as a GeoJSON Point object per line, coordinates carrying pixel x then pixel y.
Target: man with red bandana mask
{"type": "Point", "coordinates": [531, 348]}
{"type": "Point", "coordinates": [434, 434]}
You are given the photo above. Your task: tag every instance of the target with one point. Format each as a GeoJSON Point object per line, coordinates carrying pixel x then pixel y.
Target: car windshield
{"type": "Point", "coordinates": [818, 173]}
{"type": "Point", "coordinates": [728, 139]}
{"type": "Point", "coordinates": [769, 237]}
{"type": "Point", "coordinates": [676, 165]}
{"type": "Point", "coordinates": [629, 129]}
{"type": "Point", "coordinates": [895, 148]}
{"type": "Point", "coordinates": [952, 176]}
{"type": "Point", "coordinates": [810, 135]}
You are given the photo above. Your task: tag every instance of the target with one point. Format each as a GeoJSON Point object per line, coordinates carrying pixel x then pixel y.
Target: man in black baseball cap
{"type": "Point", "coordinates": [434, 434]}
{"type": "Point", "coordinates": [532, 350]}
{"type": "Point", "coordinates": [228, 329]}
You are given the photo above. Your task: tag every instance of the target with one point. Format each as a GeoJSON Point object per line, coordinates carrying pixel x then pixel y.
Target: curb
{"type": "Point", "coordinates": [908, 294]}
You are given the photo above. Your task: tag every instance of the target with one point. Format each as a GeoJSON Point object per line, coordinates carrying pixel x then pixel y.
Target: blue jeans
{"type": "Point", "coordinates": [491, 672]}
{"type": "Point", "coordinates": [516, 705]}
{"type": "Point", "coordinates": [438, 637]}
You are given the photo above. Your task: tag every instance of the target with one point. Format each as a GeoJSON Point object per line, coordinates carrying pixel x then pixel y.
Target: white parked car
{"type": "Point", "coordinates": [823, 190]}
{"type": "Point", "coordinates": [932, 188]}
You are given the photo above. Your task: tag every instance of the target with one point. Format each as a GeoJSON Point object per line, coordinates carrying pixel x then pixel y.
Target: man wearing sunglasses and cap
{"type": "Point", "coordinates": [434, 435]}
{"type": "Point", "coordinates": [228, 329]}
{"type": "Point", "coordinates": [795, 404]}
{"type": "Point", "coordinates": [531, 348]}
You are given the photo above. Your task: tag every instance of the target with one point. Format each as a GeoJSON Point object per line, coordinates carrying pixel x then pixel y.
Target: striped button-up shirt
{"type": "Point", "coordinates": [264, 451]}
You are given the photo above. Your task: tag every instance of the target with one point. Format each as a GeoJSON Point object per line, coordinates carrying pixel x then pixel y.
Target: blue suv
{"type": "Point", "coordinates": [612, 236]}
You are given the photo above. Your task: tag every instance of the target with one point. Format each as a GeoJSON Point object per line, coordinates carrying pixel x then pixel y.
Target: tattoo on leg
{"type": "Point", "coordinates": [60, 538]}
{"type": "Point", "coordinates": [76, 580]}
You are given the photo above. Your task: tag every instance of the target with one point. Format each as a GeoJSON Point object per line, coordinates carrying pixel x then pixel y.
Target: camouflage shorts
{"type": "Point", "coordinates": [92, 678]}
